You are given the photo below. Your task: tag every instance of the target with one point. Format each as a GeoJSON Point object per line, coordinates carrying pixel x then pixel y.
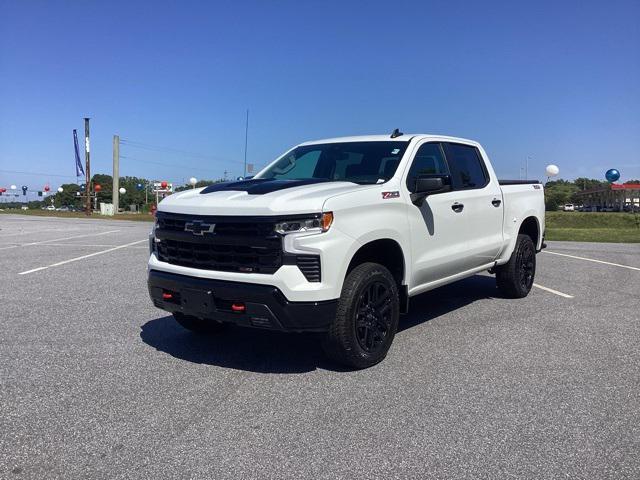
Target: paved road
{"type": "Point", "coordinates": [97, 383]}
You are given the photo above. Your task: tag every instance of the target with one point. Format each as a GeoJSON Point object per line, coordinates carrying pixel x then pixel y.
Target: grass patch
{"type": "Point", "coordinates": [622, 235]}
{"type": "Point", "coordinates": [593, 227]}
{"type": "Point", "coordinates": [140, 217]}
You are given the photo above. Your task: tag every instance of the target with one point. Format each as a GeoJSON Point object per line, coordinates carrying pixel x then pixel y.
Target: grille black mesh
{"type": "Point", "coordinates": [249, 246]}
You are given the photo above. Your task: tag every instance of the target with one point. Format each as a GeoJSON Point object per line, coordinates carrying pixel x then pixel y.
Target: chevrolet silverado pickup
{"type": "Point", "coordinates": [336, 235]}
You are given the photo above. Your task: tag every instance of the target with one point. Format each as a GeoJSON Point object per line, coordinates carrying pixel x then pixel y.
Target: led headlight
{"type": "Point", "coordinates": [317, 224]}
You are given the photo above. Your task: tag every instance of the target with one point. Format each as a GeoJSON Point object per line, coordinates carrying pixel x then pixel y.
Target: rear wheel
{"type": "Point", "coordinates": [515, 278]}
{"type": "Point", "coordinates": [199, 325]}
{"type": "Point", "coordinates": [366, 319]}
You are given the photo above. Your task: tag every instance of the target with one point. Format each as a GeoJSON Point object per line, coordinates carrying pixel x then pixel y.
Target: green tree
{"type": "Point", "coordinates": [588, 183]}
{"type": "Point", "coordinates": [68, 196]}
{"type": "Point", "coordinates": [559, 192]}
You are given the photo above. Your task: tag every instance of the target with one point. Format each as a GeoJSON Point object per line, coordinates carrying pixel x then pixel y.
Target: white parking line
{"type": "Point", "coordinates": [593, 260]}
{"type": "Point", "coordinates": [551, 290]}
{"type": "Point", "coordinates": [58, 239]}
{"type": "Point", "coordinates": [64, 262]}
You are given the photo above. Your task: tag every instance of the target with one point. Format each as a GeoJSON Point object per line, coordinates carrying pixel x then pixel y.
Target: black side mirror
{"type": "Point", "coordinates": [428, 185]}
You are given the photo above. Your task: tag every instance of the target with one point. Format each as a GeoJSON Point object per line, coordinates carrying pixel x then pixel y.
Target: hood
{"type": "Point", "coordinates": [258, 197]}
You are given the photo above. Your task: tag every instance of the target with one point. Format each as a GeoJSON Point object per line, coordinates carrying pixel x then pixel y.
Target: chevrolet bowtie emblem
{"type": "Point", "coordinates": [197, 227]}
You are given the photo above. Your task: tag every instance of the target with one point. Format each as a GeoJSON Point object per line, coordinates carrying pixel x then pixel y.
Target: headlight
{"type": "Point", "coordinates": [317, 224]}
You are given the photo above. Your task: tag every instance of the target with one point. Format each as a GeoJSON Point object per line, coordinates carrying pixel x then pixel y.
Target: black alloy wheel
{"type": "Point", "coordinates": [366, 318]}
{"type": "Point", "coordinates": [373, 316]}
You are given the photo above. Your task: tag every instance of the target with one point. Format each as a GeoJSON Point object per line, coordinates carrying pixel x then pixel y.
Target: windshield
{"type": "Point", "coordinates": [358, 162]}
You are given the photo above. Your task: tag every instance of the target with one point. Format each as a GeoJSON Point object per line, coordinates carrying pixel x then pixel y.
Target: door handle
{"type": "Point", "coordinates": [457, 207]}
{"type": "Point", "coordinates": [496, 202]}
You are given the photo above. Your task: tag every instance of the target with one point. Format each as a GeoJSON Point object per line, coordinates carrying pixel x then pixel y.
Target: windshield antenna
{"type": "Point", "coordinates": [396, 133]}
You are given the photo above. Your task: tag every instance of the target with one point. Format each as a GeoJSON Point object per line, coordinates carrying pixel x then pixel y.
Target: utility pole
{"type": "Point", "coordinates": [526, 168]}
{"type": "Point", "coordinates": [115, 196]}
{"type": "Point", "coordinates": [246, 139]}
{"type": "Point", "coordinates": [87, 168]}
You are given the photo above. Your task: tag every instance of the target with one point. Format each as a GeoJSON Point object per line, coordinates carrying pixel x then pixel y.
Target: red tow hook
{"type": "Point", "coordinates": [167, 296]}
{"type": "Point", "coordinates": [238, 307]}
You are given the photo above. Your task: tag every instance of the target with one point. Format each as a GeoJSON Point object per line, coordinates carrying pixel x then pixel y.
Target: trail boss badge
{"type": "Point", "coordinates": [386, 195]}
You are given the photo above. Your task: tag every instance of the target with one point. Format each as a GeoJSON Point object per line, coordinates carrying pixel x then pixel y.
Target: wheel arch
{"type": "Point", "coordinates": [531, 227]}
{"type": "Point", "coordinates": [388, 253]}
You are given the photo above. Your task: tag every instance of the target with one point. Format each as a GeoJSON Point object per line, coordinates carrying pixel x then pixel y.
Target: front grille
{"type": "Point", "coordinates": [309, 265]}
{"type": "Point", "coordinates": [236, 244]}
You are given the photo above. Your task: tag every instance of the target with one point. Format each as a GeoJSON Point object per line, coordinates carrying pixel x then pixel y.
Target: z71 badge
{"type": "Point", "coordinates": [386, 195]}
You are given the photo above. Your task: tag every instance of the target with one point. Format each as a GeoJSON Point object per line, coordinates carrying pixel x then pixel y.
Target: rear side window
{"type": "Point", "coordinates": [467, 168]}
{"type": "Point", "coordinates": [429, 160]}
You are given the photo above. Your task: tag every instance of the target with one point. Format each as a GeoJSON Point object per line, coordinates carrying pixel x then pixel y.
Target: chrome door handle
{"type": "Point", "coordinates": [457, 207]}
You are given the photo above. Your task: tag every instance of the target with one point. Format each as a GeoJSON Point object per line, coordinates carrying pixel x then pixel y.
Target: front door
{"type": "Point", "coordinates": [452, 232]}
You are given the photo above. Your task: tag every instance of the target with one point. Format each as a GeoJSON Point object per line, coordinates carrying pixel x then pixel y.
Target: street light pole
{"type": "Point", "coordinates": [87, 167]}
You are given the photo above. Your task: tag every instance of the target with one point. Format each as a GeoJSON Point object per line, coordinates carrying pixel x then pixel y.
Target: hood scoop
{"type": "Point", "coordinates": [260, 186]}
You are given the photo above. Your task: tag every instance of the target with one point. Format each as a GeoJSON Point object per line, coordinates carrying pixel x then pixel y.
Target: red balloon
{"type": "Point", "coordinates": [47, 188]}
{"type": "Point", "coordinates": [97, 187]}
{"type": "Point", "coordinates": [163, 184]}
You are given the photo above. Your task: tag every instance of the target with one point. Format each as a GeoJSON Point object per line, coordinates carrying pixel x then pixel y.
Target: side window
{"type": "Point", "coordinates": [429, 160]}
{"type": "Point", "coordinates": [467, 169]}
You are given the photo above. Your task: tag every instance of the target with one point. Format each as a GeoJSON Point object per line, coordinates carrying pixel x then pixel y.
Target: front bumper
{"type": "Point", "coordinates": [264, 305]}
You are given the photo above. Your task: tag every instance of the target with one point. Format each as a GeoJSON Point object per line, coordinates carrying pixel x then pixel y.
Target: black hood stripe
{"type": "Point", "coordinates": [260, 186]}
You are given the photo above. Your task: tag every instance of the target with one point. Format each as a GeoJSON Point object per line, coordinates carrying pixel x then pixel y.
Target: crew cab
{"type": "Point", "coordinates": [336, 235]}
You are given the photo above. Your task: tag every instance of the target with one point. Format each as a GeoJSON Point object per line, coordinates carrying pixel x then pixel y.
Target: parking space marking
{"type": "Point", "coordinates": [594, 260]}
{"type": "Point", "coordinates": [58, 239]}
{"type": "Point", "coordinates": [64, 262]}
{"type": "Point", "coordinates": [551, 290]}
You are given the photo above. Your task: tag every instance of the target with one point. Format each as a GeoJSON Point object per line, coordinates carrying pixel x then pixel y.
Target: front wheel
{"type": "Point", "coordinates": [366, 319]}
{"type": "Point", "coordinates": [515, 278]}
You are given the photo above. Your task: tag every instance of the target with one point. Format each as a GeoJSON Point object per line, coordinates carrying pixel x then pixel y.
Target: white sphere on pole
{"type": "Point", "coordinates": [60, 189]}
{"type": "Point", "coordinates": [13, 187]}
{"type": "Point", "coordinates": [122, 190]}
{"type": "Point", "coordinates": [552, 170]}
{"type": "Point", "coordinates": [193, 181]}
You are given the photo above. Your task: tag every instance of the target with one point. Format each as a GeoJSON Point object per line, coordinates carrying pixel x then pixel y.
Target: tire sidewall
{"type": "Point", "coordinates": [525, 243]}
{"type": "Point", "coordinates": [374, 273]}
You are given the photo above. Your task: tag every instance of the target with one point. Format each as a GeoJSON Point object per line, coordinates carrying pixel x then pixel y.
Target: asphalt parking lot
{"type": "Point", "coordinates": [95, 382]}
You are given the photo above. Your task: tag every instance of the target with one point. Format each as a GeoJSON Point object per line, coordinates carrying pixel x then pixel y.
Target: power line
{"type": "Point", "coordinates": [167, 164]}
{"type": "Point", "coordinates": [157, 148]}
{"type": "Point", "coordinates": [38, 174]}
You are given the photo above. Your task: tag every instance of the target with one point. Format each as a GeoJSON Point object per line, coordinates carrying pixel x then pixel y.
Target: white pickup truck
{"type": "Point", "coordinates": [336, 235]}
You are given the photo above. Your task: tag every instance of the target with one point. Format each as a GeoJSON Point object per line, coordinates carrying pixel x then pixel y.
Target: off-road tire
{"type": "Point", "coordinates": [366, 319]}
{"type": "Point", "coordinates": [515, 278]}
{"type": "Point", "coordinates": [198, 325]}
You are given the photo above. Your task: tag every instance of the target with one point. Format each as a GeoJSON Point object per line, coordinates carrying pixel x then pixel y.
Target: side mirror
{"type": "Point", "coordinates": [428, 185]}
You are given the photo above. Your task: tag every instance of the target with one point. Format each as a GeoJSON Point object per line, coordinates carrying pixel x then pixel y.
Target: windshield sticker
{"type": "Point", "coordinates": [387, 195]}
{"type": "Point", "coordinates": [395, 151]}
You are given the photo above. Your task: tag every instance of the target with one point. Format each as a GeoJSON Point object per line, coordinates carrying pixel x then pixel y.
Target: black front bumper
{"type": "Point", "coordinates": [264, 305]}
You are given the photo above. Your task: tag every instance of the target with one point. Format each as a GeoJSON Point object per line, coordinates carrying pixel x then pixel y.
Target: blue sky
{"type": "Point", "coordinates": [556, 81]}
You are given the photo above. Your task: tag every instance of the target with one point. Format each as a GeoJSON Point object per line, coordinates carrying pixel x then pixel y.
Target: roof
{"type": "Point", "coordinates": [613, 186]}
{"type": "Point", "coordinates": [405, 137]}
{"type": "Point", "coordinates": [625, 186]}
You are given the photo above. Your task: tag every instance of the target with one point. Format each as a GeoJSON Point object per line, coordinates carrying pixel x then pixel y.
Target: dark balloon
{"type": "Point", "coordinates": [612, 175]}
